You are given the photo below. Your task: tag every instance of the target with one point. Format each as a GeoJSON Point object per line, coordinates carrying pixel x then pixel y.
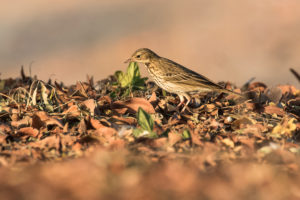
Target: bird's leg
{"type": "Point", "coordinates": [181, 97]}
{"type": "Point", "coordinates": [188, 98]}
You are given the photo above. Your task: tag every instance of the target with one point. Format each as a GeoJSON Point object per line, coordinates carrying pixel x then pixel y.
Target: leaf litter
{"type": "Point", "coordinates": [123, 137]}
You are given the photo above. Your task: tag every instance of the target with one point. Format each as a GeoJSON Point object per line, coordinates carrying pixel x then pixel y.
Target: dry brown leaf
{"type": "Point", "coordinates": [52, 141]}
{"type": "Point", "coordinates": [271, 109]}
{"type": "Point", "coordinates": [127, 120]}
{"type": "Point", "coordinates": [96, 124]}
{"type": "Point", "coordinates": [195, 138]}
{"type": "Point", "coordinates": [72, 112]}
{"type": "Point", "coordinates": [39, 119]}
{"type": "Point", "coordinates": [53, 122]}
{"type": "Point", "coordinates": [90, 105]}
{"type": "Point", "coordinates": [121, 111]}
{"type": "Point", "coordinates": [2, 139]}
{"type": "Point", "coordinates": [241, 123]}
{"type": "Point", "coordinates": [250, 106]}
{"type": "Point", "coordinates": [28, 131]}
{"type": "Point", "coordinates": [4, 128]}
{"type": "Point", "coordinates": [66, 128]}
{"type": "Point", "coordinates": [82, 88]}
{"type": "Point", "coordinates": [67, 140]}
{"type": "Point", "coordinates": [82, 127]}
{"type": "Point", "coordinates": [210, 107]}
{"type": "Point", "coordinates": [106, 132]}
{"type": "Point", "coordinates": [288, 89]}
{"type": "Point", "coordinates": [14, 114]}
{"type": "Point", "coordinates": [104, 100]}
{"type": "Point", "coordinates": [21, 123]}
{"type": "Point", "coordinates": [153, 98]}
{"type": "Point", "coordinates": [173, 138]}
{"type": "Point", "coordinates": [255, 130]}
{"type": "Point", "coordinates": [133, 105]}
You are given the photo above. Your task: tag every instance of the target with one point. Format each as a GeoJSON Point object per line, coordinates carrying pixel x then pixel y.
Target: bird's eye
{"type": "Point", "coordinates": [138, 56]}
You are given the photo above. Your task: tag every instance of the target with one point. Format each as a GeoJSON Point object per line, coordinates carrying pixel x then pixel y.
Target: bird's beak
{"type": "Point", "coordinates": [128, 60]}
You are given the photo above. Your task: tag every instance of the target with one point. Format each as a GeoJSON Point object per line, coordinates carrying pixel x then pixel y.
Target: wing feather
{"type": "Point", "coordinates": [177, 73]}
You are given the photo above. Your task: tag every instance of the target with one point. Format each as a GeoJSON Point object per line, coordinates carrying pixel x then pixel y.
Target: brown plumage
{"type": "Point", "coordinates": [175, 78]}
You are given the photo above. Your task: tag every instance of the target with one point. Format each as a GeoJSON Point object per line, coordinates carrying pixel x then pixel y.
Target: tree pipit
{"type": "Point", "coordinates": [175, 78]}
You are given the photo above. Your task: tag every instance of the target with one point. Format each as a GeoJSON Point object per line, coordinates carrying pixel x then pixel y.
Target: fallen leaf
{"type": "Point", "coordinates": [90, 105]}
{"type": "Point", "coordinates": [133, 105]}
{"type": "Point", "coordinates": [127, 120]}
{"type": "Point", "coordinates": [210, 107]}
{"type": "Point", "coordinates": [52, 141]}
{"type": "Point", "coordinates": [82, 88]}
{"type": "Point", "coordinates": [82, 127]}
{"type": "Point", "coordinates": [153, 98]}
{"type": "Point", "coordinates": [21, 123]}
{"type": "Point", "coordinates": [288, 89]}
{"type": "Point", "coordinates": [173, 138]}
{"type": "Point", "coordinates": [53, 122]}
{"type": "Point", "coordinates": [105, 131]}
{"type": "Point", "coordinates": [28, 131]}
{"type": "Point", "coordinates": [241, 123]}
{"type": "Point", "coordinates": [121, 111]}
{"type": "Point", "coordinates": [4, 128]}
{"type": "Point", "coordinates": [195, 138]}
{"type": "Point", "coordinates": [104, 100]}
{"type": "Point", "coordinates": [39, 119]}
{"type": "Point", "coordinates": [271, 109]}
{"type": "Point", "coordinates": [96, 124]}
{"type": "Point", "coordinates": [72, 112]}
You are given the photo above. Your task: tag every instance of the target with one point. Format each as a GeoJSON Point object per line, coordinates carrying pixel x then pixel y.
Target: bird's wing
{"type": "Point", "coordinates": [176, 73]}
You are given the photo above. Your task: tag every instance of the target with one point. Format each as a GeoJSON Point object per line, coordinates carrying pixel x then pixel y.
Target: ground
{"type": "Point", "coordinates": [103, 141]}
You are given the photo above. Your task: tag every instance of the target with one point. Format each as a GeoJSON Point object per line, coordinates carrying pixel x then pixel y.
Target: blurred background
{"type": "Point", "coordinates": [225, 40]}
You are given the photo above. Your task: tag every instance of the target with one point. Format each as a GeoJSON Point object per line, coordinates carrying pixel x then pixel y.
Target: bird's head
{"type": "Point", "coordinates": [142, 55]}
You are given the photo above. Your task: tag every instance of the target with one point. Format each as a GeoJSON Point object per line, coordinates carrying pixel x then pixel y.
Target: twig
{"type": "Point", "coordinates": [295, 74]}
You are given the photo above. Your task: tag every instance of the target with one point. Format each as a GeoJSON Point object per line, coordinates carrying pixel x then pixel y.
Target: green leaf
{"type": "Point", "coordinates": [186, 134]}
{"type": "Point", "coordinates": [131, 79]}
{"type": "Point", "coordinates": [133, 71]}
{"type": "Point", "coordinates": [122, 78]}
{"type": "Point", "coordinates": [145, 120]}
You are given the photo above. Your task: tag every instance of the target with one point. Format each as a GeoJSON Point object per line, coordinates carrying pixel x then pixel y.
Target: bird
{"type": "Point", "coordinates": [175, 78]}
